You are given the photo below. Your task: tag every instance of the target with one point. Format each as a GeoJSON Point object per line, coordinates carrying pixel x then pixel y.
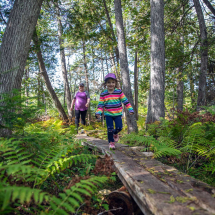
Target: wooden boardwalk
{"type": "Point", "coordinates": [156, 188]}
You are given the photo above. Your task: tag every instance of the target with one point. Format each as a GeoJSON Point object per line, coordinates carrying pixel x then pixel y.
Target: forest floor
{"type": "Point", "coordinates": [187, 143]}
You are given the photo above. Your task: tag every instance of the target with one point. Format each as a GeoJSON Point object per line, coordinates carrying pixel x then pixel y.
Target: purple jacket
{"type": "Point", "coordinates": [81, 100]}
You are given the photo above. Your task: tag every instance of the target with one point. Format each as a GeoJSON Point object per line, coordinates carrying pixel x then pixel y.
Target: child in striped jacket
{"type": "Point", "coordinates": [111, 100]}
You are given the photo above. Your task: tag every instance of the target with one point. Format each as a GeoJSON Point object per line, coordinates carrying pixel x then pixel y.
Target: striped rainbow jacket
{"type": "Point", "coordinates": [111, 102]}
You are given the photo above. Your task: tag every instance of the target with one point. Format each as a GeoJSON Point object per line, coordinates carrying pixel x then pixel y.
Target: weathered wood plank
{"type": "Point", "coordinates": [183, 183]}
{"type": "Point", "coordinates": [155, 187]}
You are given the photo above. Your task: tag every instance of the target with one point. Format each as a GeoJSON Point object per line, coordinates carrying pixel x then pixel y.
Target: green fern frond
{"type": "Point", "coordinates": [72, 198]}
{"type": "Point", "coordinates": [22, 169]}
{"type": "Point", "coordinates": [23, 194]}
{"type": "Point", "coordinates": [63, 163]}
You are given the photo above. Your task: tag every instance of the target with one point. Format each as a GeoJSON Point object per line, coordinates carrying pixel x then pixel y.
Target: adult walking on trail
{"type": "Point", "coordinates": [111, 100]}
{"type": "Point", "coordinates": [81, 100]}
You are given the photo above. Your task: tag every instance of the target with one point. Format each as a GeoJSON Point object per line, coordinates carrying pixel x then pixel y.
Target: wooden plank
{"type": "Point", "coordinates": [183, 183]}
{"type": "Point", "coordinates": [147, 181]}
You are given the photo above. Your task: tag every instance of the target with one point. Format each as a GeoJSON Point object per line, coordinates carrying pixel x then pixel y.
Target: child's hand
{"type": "Point", "coordinates": [98, 116]}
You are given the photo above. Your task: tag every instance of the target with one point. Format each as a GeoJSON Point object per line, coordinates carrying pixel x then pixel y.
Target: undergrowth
{"type": "Point", "coordinates": [37, 165]}
{"type": "Point", "coordinates": [187, 142]}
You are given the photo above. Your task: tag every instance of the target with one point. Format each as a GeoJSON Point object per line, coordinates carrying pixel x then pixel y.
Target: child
{"type": "Point", "coordinates": [110, 100]}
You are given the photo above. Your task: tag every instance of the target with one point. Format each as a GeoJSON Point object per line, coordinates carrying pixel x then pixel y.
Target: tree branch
{"type": "Point", "coordinates": [210, 7]}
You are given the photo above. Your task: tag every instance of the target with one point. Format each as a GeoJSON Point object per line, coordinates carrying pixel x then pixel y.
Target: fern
{"type": "Point", "coordinates": [72, 198]}
{"type": "Point", "coordinates": [23, 194]}
{"type": "Point", "coordinates": [195, 141]}
{"type": "Point", "coordinates": [18, 163]}
{"type": "Point", "coordinates": [161, 147]}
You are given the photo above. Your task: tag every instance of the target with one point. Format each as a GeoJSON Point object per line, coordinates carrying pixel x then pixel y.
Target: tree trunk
{"type": "Point", "coordinates": [180, 89]}
{"type": "Point", "coordinates": [43, 96]}
{"type": "Point", "coordinates": [136, 84]}
{"type": "Point", "coordinates": [38, 91]}
{"type": "Point", "coordinates": [15, 45]}
{"type": "Point", "coordinates": [103, 72]}
{"type": "Point", "coordinates": [204, 55]}
{"type": "Point", "coordinates": [131, 119]}
{"type": "Point", "coordinates": [157, 74]}
{"type": "Point", "coordinates": [180, 69]}
{"type": "Point", "coordinates": [106, 62]}
{"type": "Point", "coordinates": [26, 85]}
{"type": "Point", "coordinates": [63, 62]}
{"type": "Point", "coordinates": [192, 91]}
{"type": "Point", "coordinates": [93, 63]}
{"type": "Point", "coordinates": [47, 81]}
{"type": "Point", "coordinates": [86, 78]}
{"type": "Point", "coordinates": [113, 64]}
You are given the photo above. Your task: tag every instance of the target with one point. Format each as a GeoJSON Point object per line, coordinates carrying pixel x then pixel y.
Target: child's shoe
{"type": "Point", "coordinates": [116, 138]}
{"type": "Point", "coordinates": [112, 145]}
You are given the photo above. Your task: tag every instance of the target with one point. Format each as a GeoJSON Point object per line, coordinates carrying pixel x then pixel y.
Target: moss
{"type": "Point", "coordinates": [172, 199]}
{"type": "Point", "coordinates": [189, 190]}
{"type": "Point", "coordinates": [151, 191]}
{"type": "Point", "coordinates": [162, 179]}
{"type": "Point", "coordinates": [191, 208]}
{"type": "Point", "coordinates": [164, 192]}
{"type": "Point", "coordinates": [184, 199]}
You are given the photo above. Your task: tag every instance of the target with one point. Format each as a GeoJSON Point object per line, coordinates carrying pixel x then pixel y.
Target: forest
{"type": "Point", "coordinates": [163, 55]}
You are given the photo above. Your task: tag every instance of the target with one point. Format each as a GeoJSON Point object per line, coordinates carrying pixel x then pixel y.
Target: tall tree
{"type": "Point", "coordinates": [15, 45]}
{"type": "Point", "coordinates": [179, 70]}
{"type": "Point", "coordinates": [136, 84]}
{"type": "Point", "coordinates": [157, 73]}
{"type": "Point", "coordinates": [63, 61]}
{"type": "Point", "coordinates": [46, 78]}
{"type": "Point", "coordinates": [86, 76]}
{"type": "Point", "coordinates": [204, 54]}
{"type": "Point", "coordinates": [131, 119]}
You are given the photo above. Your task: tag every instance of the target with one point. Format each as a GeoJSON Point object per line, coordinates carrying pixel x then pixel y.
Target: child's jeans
{"type": "Point", "coordinates": [110, 129]}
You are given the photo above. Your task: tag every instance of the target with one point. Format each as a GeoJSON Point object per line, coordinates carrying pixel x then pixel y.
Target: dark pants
{"type": "Point", "coordinates": [110, 129]}
{"type": "Point", "coordinates": [79, 113]}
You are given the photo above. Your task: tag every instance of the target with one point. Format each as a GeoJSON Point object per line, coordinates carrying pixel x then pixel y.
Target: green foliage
{"type": "Point", "coordinates": [210, 109]}
{"type": "Point", "coordinates": [72, 198]}
{"type": "Point", "coordinates": [14, 110]}
{"type": "Point", "coordinates": [34, 166]}
{"type": "Point", "coordinates": [189, 138]}
{"type": "Point", "coordinates": [161, 147]}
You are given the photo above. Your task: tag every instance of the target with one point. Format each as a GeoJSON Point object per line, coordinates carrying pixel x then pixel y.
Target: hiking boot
{"type": "Point", "coordinates": [112, 145]}
{"type": "Point", "coordinates": [116, 138]}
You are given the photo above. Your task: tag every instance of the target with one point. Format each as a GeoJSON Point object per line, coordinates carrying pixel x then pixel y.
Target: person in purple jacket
{"type": "Point", "coordinates": [81, 100]}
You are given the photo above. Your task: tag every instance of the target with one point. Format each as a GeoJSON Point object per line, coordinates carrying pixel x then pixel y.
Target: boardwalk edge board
{"type": "Point", "coordinates": [156, 188]}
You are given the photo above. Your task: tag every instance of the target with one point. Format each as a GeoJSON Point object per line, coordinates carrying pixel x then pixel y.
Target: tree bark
{"type": "Point", "coordinates": [46, 79]}
{"type": "Point", "coordinates": [86, 78]}
{"type": "Point", "coordinates": [157, 74]}
{"type": "Point", "coordinates": [63, 62]}
{"type": "Point", "coordinates": [131, 119]}
{"type": "Point", "coordinates": [204, 55]}
{"type": "Point", "coordinates": [15, 45]}
{"type": "Point", "coordinates": [192, 91]}
{"type": "Point", "coordinates": [26, 75]}
{"type": "Point", "coordinates": [136, 84]}
{"type": "Point", "coordinates": [38, 91]}
{"type": "Point", "coordinates": [180, 89]}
